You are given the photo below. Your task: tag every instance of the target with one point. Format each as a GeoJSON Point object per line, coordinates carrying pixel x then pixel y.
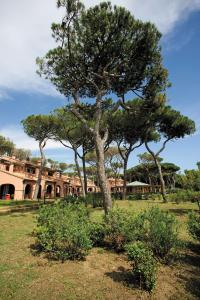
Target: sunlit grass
{"type": "Point", "coordinates": [24, 276]}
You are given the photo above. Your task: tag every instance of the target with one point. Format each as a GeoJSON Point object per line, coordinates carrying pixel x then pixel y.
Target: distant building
{"type": "Point", "coordinates": [18, 180]}
{"type": "Point", "coordinates": [141, 188]}
{"type": "Point", "coordinates": [115, 185]}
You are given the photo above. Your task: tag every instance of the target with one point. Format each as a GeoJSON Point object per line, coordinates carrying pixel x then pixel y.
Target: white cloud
{"type": "Point", "coordinates": [4, 96]}
{"type": "Point", "coordinates": [21, 140]}
{"type": "Point", "coordinates": [25, 34]}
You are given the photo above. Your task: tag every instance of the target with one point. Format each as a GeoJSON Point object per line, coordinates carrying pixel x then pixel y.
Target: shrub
{"type": "Point", "coordinates": [119, 225]}
{"type": "Point", "coordinates": [194, 225]}
{"type": "Point", "coordinates": [70, 199]}
{"type": "Point", "coordinates": [97, 233]}
{"type": "Point", "coordinates": [143, 263]}
{"type": "Point", "coordinates": [63, 231]}
{"type": "Point", "coordinates": [154, 196]}
{"type": "Point", "coordinates": [158, 229]}
{"type": "Point", "coordinates": [94, 199]}
{"type": "Point", "coordinates": [183, 196]}
{"type": "Point", "coordinates": [134, 196]}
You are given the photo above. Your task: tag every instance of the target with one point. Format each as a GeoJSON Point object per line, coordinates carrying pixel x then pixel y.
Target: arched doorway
{"type": "Point", "coordinates": [49, 191]}
{"type": "Point", "coordinates": [28, 191]}
{"type": "Point", "coordinates": [7, 189]}
{"type": "Point", "coordinates": [39, 196]}
{"type": "Point", "coordinates": [58, 191]}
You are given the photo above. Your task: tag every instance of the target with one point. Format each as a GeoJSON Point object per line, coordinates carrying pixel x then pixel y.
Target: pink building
{"type": "Point", "coordinates": [18, 180]}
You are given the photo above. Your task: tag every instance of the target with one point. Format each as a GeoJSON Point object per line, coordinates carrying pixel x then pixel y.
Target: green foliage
{"type": "Point", "coordinates": [190, 180]}
{"type": "Point", "coordinates": [22, 154]}
{"type": "Point", "coordinates": [97, 233]}
{"type": "Point", "coordinates": [6, 146]}
{"type": "Point", "coordinates": [194, 225]}
{"type": "Point", "coordinates": [70, 199]}
{"type": "Point", "coordinates": [39, 127]}
{"type": "Point", "coordinates": [63, 231]}
{"type": "Point", "coordinates": [93, 199]}
{"type": "Point", "coordinates": [148, 170]}
{"type": "Point", "coordinates": [155, 196]}
{"type": "Point", "coordinates": [82, 61]}
{"type": "Point", "coordinates": [134, 196]}
{"type": "Point", "coordinates": [143, 263]}
{"type": "Point", "coordinates": [159, 229]}
{"type": "Point", "coordinates": [184, 196]}
{"type": "Point", "coordinates": [119, 227]}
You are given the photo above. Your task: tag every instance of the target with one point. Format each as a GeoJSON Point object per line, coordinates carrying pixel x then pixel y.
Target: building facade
{"type": "Point", "coordinates": [18, 181]}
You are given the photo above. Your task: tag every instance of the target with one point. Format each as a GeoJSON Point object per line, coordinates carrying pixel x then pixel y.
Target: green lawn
{"type": "Point", "coordinates": [7, 203]}
{"type": "Point", "coordinates": [103, 275]}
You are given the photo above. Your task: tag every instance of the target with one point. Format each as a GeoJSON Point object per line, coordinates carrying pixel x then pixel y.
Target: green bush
{"type": "Point", "coordinates": [135, 196]}
{"type": "Point", "coordinates": [143, 263]}
{"type": "Point", "coordinates": [70, 199]}
{"type": "Point", "coordinates": [97, 233]}
{"type": "Point", "coordinates": [94, 199]}
{"type": "Point", "coordinates": [119, 228]}
{"type": "Point", "coordinates": [194, 225]}
{"type": "Point", "coordinates": [158, 229]}
{"type": "Point", "coordinates": [183, 196]}
{"type": "Point", "coordinates": [63, 230]}
{"type": "Point", "coordinates": [154, 196]}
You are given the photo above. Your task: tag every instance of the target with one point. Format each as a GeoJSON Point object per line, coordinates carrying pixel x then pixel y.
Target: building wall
{"type": "Point", "coordinates": [14, 172]}
{"type": "Point", "coordinates": [6, 178]}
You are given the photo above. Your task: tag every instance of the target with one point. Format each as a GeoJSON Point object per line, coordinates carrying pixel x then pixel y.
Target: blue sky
{"type": "Point", "coordinates": [25, 34]}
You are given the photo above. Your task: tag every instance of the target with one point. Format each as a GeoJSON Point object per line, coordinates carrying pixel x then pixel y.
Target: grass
{"type": "Point", "coordinates": [103, 275]}
{"type": "Point", "coordinates": [7, 203]}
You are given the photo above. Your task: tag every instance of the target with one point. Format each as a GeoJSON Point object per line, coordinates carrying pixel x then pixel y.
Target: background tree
{"type": "Point", "coordinates": [126, 129]}
{"type": "Point", "coordinates": [6, 146]}
{"type": "Point", "coordinates": [190, 180]}
{"type": "Point", "coordinates": [22, 154]}
{"type": "Point", "coordinates": [166, 126]}
{"type": "Point", "coordinates": [169, 174]}
{"type": "Point", "coordinates": [113, 163]}
{"type": "Point", "coordinates": [39, 127]}
{"type": "Point", "coordinates": [65, 167]}
{"type": "Point", "coordinates": [147, 171]}
{"type": "Point", "coordinates": [146, 160]}
{"type": "Point", "coordinates": [101, 50]}
{"type": "Point", "coordinates": [72, 134]}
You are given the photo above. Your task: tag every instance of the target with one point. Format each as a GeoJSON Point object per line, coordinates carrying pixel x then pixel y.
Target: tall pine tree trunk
{"type": "Point", "coordinates": [84, 174]}
{"type": "Point", "coordinates": [162, 182]}
{"type": "Point", "coordinates": [99, 146]}
{"type": "Point", "coordinates": [79, 171]}
{"type": "Point", "coordinates": [125, 179]}
{"type": "Point", "coordinates": [39, 179]}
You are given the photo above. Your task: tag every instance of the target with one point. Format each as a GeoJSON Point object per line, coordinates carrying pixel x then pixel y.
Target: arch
{"type": "Point", "coordinates": [7, 189]}
{"type": "Point", "coordinates": [39, 196]}
{"type": "Point", "coordinates": [28, 191]}
{"type": "Point", "coordinates": [49, 191]}
{"type": "Point", "coordinates": [58, 191]}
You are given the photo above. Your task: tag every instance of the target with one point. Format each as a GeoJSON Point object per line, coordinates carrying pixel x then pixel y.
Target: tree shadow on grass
{"type": "Point", "coordinates": [23, 213]}
{"type": "Point", "coordinates": [192, 256]}
{"type": "Point", "coordinates": [192, 285]}
{"type": "Point", "coordinates": [124, 276]}
{"type": "Point", "coordinates": [17, 215]}
{"type": "Point", "coordinates": [180, 211]}
{"type": "Point", "coordinates": [191, 275]}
